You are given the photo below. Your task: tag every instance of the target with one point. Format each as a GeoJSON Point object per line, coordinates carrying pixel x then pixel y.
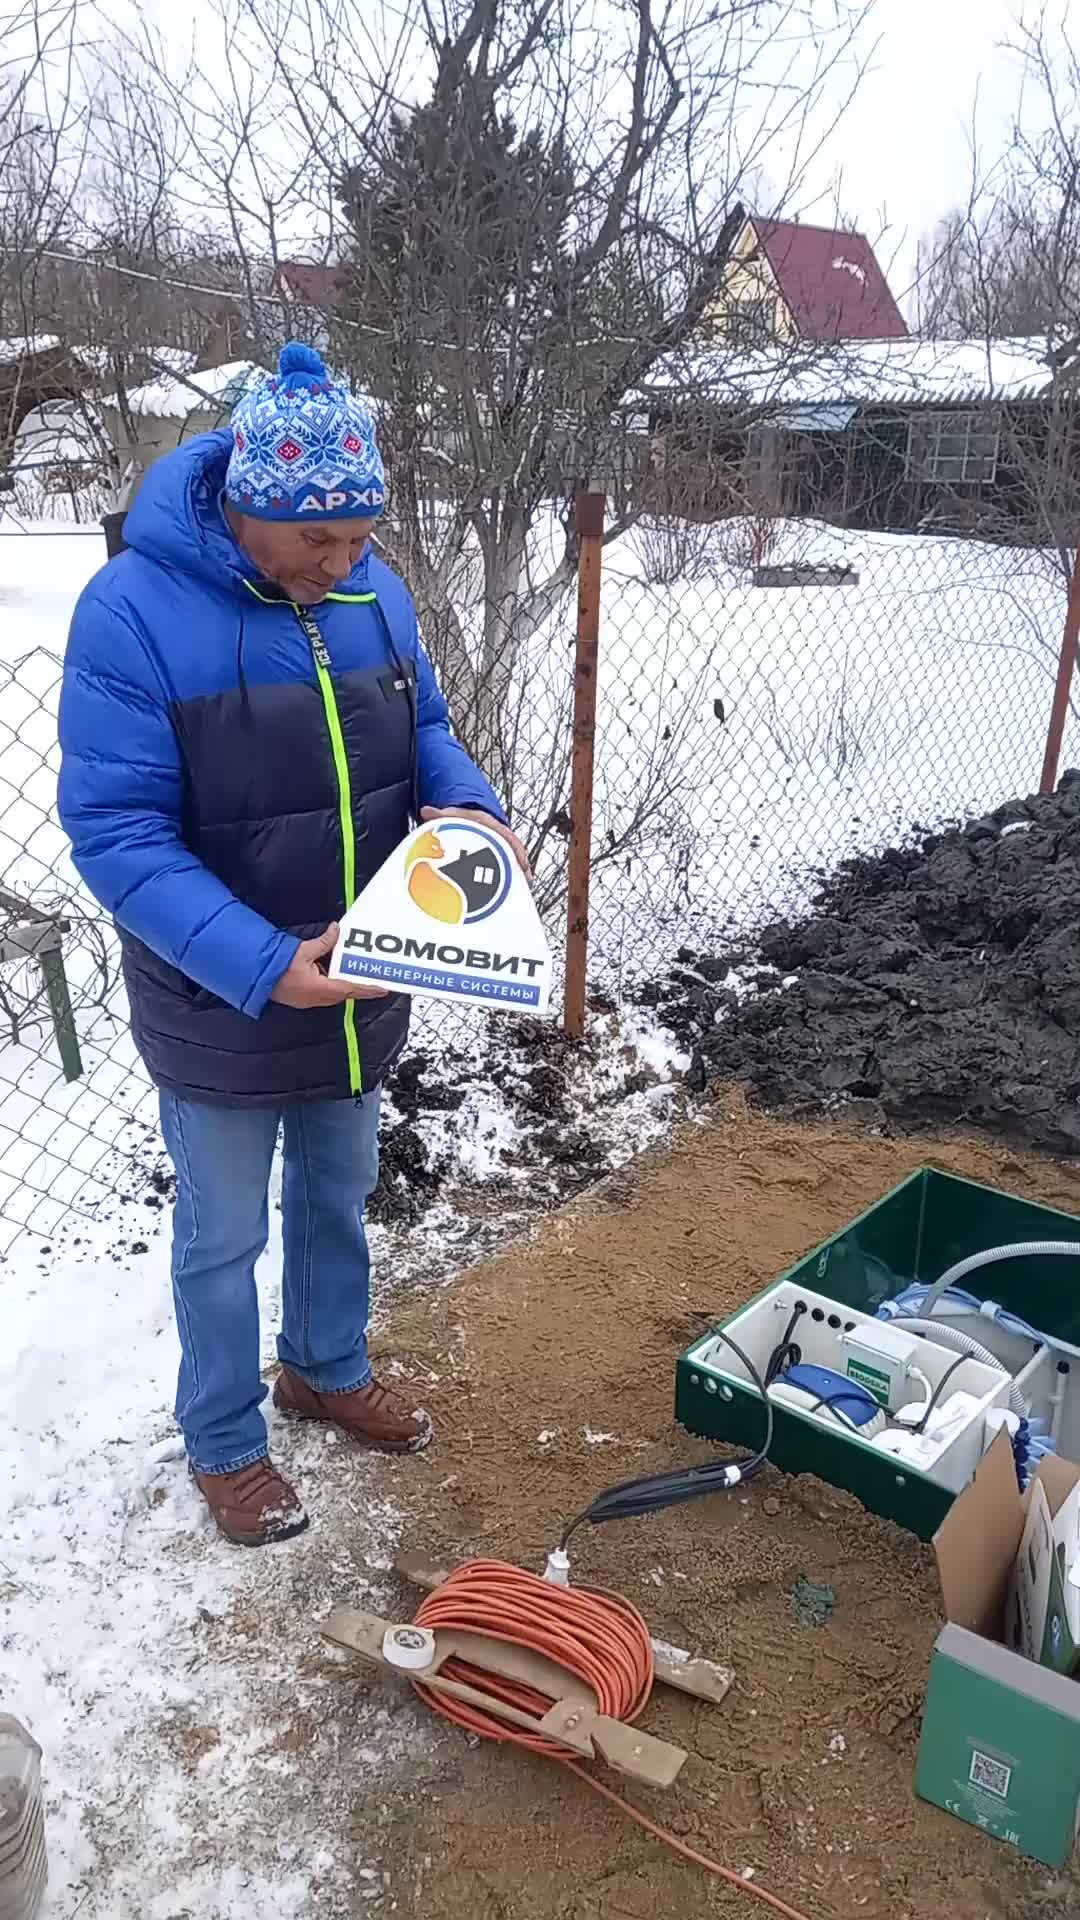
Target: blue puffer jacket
{"type": "Point", "coordinates": [226, 796]}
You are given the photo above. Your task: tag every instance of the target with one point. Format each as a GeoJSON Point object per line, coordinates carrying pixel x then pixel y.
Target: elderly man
{"type": "Point", "coordinates": [248, 725]}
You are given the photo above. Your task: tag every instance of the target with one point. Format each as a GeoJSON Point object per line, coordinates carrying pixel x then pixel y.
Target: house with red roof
{"type": "Point", "coordinates": [307, 283]}
{"type": "Point", "coordinates": [789, 283]}
{"type": "Point", "coordinates": [310, 291]}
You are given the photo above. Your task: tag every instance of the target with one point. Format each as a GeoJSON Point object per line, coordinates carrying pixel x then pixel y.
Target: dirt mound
{"type": "Point", "coordinates": [549, 1374]}
{"type": "Point", "coordinates": [933, 984]}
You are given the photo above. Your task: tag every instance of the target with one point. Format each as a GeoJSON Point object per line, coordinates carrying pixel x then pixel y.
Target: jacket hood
{"type": "Point", "coordinates": [177, 518]}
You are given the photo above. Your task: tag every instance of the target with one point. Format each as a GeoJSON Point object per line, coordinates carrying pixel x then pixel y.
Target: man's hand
{"type": "Point", "coordinates": [304, 984]}
{"type": "Point", "coordinates": [483, 820]}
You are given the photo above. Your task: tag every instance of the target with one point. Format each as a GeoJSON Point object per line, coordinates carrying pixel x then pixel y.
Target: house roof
{"type": "Point", "coordinates": [898, 373]}
{"type": "Point", "coordinates": [308, 283]}
{"type": "Point", "coordinates": [830, 281]}
{"type": "Point", "coordinates": [213, 390]}
{"type": "Point", "coordinates": [26, 348]}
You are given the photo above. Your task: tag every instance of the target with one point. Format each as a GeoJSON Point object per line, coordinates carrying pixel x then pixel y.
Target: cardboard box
{"type": "Point", "coordinates": [1061, 1646]}
{"type": "Point", "coordinates": [1028, 1599]}
{"type": "Point", "coordinates": [1000, 1744]}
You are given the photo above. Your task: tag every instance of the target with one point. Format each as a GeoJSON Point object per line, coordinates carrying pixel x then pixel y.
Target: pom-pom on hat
{"type": "Point", "coordinates": [304, 447]}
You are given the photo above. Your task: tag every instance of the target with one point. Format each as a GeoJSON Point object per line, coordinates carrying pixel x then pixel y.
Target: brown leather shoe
{"type": "Point", "coordinates": [372, 1415]}
{"type": "Point", "coordinates": [254, 1506]}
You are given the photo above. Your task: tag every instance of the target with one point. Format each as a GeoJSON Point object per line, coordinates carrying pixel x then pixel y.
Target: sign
{"type": "Point", "coordinates": [449, 917]}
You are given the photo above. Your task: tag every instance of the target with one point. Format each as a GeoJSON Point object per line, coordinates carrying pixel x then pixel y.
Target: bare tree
{"type": "Point", "coordinates": [1008, 261]}
{"type": "Point", "coordinates": [1008, 265]}
{"type": "Point", "coordinates": [43, 115]}
{"type": "Point", "coordinates": [529, 210]}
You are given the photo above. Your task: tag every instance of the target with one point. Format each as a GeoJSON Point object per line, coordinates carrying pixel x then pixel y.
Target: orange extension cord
{"type": "Point", "coordinates": [595, 1635]}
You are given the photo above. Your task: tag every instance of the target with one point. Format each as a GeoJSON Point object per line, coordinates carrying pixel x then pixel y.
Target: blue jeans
{"type": "Point", "coordinates": [222, 1157]}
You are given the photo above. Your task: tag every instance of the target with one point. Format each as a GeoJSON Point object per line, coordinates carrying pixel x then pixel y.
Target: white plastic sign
{"type": "Point", "coordinates": [449, 916]}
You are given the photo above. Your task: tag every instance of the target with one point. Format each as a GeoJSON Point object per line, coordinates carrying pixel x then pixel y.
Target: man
{"type": "Point", "coordinates": [248, 725]}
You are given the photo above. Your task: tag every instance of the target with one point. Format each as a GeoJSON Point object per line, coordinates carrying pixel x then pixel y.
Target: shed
{"type": "Point", "coordinates": [153, 419]}
{"type": "Point", "coordinates": [884, 434]}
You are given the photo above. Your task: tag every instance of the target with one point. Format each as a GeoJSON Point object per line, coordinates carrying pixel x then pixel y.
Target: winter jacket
{"type": "Point", "coordinates": [226, 794]}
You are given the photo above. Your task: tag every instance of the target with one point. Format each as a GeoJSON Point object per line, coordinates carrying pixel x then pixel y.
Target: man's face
{"type": "Point", "coordinates": [307, 562]}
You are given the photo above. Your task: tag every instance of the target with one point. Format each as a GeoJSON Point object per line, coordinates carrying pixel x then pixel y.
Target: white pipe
{"type": "Point", "coordinates": [1057, 1408]}
{"type": "Point", "coordinates": [916, 1373]}
{"type": "Point", "coordinates": [1022, 1250]}
{"type": "Point", "coordinates": [963, 1343]}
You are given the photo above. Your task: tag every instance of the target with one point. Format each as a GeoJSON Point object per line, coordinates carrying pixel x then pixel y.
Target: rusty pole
{"type": "Point", "coordinates": [1063, 687]}
{"type": "Point", "coordinates": [589, 524]}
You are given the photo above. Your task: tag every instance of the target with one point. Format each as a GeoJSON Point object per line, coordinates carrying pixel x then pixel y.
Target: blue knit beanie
{"type": "Point", "coordinates": [304, 447]}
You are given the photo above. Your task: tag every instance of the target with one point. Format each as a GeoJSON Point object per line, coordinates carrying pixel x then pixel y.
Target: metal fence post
{"type": "Point", "coordinates": [113, 528]}
{"type": "Point", "coordinates": [589, 524]}
{"type": "Point", "coordinates": [1063, 686]}
{"type": "Point", "coordinates": [30, 934]}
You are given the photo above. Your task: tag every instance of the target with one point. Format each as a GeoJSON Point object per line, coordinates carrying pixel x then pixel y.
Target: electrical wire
{"type": "Point", "coordinates": [630, 1499]}
{"type": "Point", "coordinates": [832, 1401]}
{"type": "Point", "coordinates": [788, 1353]}
{"type": "Point", "coordinates": [597, 1636]}
{"type": "Point", "coordinates": [939, 1390]}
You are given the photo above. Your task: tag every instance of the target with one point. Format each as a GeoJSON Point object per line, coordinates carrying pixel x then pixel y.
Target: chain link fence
{"type": "Point", "coordinates": [770, 701]}
{"type": "Point", "coordinates": [68, 1146]}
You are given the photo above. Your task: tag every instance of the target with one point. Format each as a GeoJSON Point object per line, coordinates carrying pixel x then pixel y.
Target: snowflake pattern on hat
{"type": "Point", "coordinates": [304, 447]}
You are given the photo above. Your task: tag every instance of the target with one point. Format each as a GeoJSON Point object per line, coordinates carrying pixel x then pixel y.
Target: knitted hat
{"type": "Point", "coordinates": [304, 447]}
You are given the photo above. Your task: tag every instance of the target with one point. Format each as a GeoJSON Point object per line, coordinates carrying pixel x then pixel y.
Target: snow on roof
{"type": "Point", "coordinates": [99, 359]}
{"type": "Point", "coordinates": [830, 280]}
{"type": "Point", "coordinates": [56, 433]}
{"type": "Point", "coordinates": [213, 390]}
{"type": "Point", "coordinates": [173, 359]}
{"type": "Point", "coordinates": [903, 373]}
{"type": "Point", "coordinates": [12, 351]}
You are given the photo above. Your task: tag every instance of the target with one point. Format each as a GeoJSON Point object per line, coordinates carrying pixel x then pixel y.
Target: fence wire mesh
{"type": "Point", "coordinates": [67, 1147]}
{"type": "Point", "coordinates": [748, 737]}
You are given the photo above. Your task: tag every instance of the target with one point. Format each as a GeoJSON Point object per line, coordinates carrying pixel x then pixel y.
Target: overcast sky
{"type": "Point", "coordinates": [904, 147]}
{"type": "Point", "coordinates": [900, 157]}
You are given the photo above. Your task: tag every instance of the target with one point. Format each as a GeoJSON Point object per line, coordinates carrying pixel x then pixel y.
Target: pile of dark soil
{"type": "Point", "coordinates": [558, 1101]}
{"type": "Point", "coordinates": [933, 984]}
{"type": "Point", "coordinates": [544, 1118]}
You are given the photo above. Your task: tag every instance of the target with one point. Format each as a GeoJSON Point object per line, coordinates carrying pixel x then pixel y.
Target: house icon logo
{"type": "Point", "coordinates": [458, 874]}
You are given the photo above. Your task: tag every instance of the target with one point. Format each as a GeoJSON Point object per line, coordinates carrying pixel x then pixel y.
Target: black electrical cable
{"type": "Point", "coordinates": [652, 1494]}
{"type": "Point", "coordinates": [830, 1399]}
{"type": "Point", "coordinates": [787, 1354]}
{"type": "Point", "coordinates": [939, 1390]}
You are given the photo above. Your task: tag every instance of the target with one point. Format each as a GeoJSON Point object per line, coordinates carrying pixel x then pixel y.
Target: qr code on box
{"type": "Point", "coordinates": [990, 1774]}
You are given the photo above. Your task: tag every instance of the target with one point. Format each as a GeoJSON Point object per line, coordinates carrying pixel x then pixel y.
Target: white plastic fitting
{"type": "Point", "coordinates": [412, 1648]}
{"type": "Point", "coordinates": [557, 1571]}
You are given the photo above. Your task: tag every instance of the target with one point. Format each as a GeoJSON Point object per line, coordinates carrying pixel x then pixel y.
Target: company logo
{"type": "Point", "coordinates": [458, 874]}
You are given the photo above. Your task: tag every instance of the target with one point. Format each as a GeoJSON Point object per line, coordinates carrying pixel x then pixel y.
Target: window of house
{"type": "Point", "coordinates": [954, 449]}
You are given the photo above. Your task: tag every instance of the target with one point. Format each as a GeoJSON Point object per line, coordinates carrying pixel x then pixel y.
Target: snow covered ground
{"type": "Point", "coordinates": [109, 1588]}
{"type": "Point", "coordinates": [783, 729]}
{"type": "Point", "coordinates": [746, 737]}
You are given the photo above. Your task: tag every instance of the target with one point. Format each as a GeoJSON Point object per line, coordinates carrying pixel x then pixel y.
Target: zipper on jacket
{"type": "Point", "coordinates": [320, 653]}
{"type": "Point", "coordinates": [411, 695]}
